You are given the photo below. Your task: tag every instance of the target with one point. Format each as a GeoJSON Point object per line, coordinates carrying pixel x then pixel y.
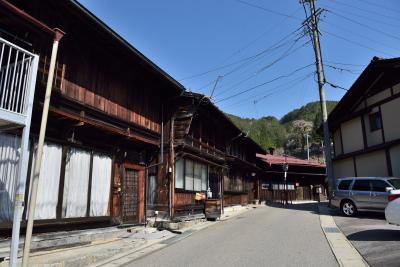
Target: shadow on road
{"type": "Point", "coordinates": [360, 215]}
{"type": "Point", "coordinates": [376, 235]}
{"type": "Point", "coordinates": [311, 207]}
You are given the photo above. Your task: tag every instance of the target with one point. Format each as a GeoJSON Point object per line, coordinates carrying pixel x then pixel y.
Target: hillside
{"type": "Point", "coordinates": [307, 112]}
{"type": "Point", "coordinates": [271, 132]}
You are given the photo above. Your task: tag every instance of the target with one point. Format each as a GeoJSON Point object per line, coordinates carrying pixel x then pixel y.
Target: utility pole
{"type": "Point", "coordinates": [313, 26]}
{"type": "Point", "coordinates": [308, 147]}
{"type": "Point", "coordinates": [36, 173]}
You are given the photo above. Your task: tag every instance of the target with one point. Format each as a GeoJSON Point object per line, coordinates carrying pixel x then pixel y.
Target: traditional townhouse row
{"type": "Point", "coordinates": [124, 140]}
{"type": "Point", "coordinates": [365, 123]}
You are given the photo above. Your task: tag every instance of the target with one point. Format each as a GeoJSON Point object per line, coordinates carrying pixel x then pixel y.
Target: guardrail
{"type": "Point", "coordinates": [16, 70]}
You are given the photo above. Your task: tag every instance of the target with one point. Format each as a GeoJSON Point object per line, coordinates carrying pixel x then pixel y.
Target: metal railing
{"type": "Point", "coordinates": [16, 66]}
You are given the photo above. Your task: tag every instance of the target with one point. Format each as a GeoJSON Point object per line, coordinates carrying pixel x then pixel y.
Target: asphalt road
{"type": "Point", "coordinates": [266, 236]}
{"type": "Point", "coordinates": [376, 240]}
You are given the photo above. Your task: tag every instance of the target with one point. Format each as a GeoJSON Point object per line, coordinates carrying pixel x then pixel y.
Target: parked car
{"type": "Point", "coordinates": [392, 211]}
{"type": "Point", "coordinates": [353, 194]}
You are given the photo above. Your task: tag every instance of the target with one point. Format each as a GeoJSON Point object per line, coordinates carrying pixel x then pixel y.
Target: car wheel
{"type": "Point", "coordinates": [348, 208]}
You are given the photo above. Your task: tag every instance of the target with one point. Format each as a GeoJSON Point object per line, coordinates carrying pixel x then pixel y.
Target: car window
{"type": "Point", "coordinates": [362, 185]}
{"type": "Point", "coordinates": [395, 183]}
{"type": "Point", "coordinates": [379, 186]}
{"type": "Point", "coordinates": [344, 184]}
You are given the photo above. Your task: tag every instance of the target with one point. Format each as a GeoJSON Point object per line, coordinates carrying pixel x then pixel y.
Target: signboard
{"type": "Point", "coordinates": [265, 186]}
{"type": "Point", "coordinates": [200, 196]}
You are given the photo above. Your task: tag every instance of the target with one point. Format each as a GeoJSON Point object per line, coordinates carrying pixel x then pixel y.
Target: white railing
{"type": "Point", "coordinates": [16, 69]}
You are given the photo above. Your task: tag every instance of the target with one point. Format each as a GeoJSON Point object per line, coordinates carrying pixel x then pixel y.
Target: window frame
{"type": "Point", "coordinates": [194, 162]}
{"type": "Point", "coordinates": [373, 119]}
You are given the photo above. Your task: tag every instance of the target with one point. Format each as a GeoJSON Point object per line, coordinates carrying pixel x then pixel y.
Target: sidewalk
{"type": "Point", "coordinates": [345, 253]}
{"type": "Point", "coordinates": [116, 250]}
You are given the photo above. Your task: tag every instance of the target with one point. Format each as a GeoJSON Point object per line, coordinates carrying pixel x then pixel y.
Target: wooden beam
{"type": "Point", "coordinates": [97, 124]}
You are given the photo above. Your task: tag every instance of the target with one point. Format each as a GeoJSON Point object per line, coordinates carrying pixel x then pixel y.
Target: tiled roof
{"type": "Point", "coordinates": [279, 160]}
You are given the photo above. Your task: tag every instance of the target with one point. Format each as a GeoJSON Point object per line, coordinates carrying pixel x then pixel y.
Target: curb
{"type": "Point", "coordinates": [345, 253]}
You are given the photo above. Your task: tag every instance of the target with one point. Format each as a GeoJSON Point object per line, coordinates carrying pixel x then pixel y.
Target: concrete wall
{"type": "Point", "coordinates": [391, 121]}
{"type": "Point", "coordinates": [343, 168]}
{"type": "Point", "coordinates": [337, 142]}
{"type": "Point", "coordinates": [372, 164]}
{"type": "Point", "coordinates": [395, 160]}
{"type": "Point", "coordinates": [352, 135]}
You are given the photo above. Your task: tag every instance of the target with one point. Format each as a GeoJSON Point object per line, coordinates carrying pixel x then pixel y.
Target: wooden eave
{"type": "Point", "coordinates": [181, 147]}
{"type": "Point", "coordinates": [235, 161]}
{"type": "Point", "coordinates": [103, 126]}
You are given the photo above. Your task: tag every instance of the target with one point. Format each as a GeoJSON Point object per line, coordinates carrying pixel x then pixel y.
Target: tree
{"type": "Point", "coordinates": [299, 129]}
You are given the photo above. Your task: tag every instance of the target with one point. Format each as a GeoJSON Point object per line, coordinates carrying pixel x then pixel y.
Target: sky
{"type": "Point", "coordinates": [253, 57]}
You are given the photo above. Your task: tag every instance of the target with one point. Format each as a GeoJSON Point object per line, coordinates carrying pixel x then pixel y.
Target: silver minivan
{"type": "Point", "coordinates": [363, 193]}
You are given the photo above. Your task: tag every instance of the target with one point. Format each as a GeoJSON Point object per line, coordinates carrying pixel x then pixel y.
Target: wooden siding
{"type": "Point", "coordinates": [115, 94]}
{"type": "Point", "coordinates": [235, 199]}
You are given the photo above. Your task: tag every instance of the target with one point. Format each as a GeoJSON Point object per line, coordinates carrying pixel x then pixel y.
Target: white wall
{"type": "Point", "coordinates": [396, 88]}
{"type": "Point", "coordinates": [395, 160]}
{"type": "Point", "coordinates": [378, 97]}
{"type": "Point", "coordinates": [352, 135]}
{"type": "Point", "coordinates": [337, 142]}
{"type": "Point", "coordinates": [391, 119]}
{"type": "Point", "coordinates": [343, 168]}
{"type": "Point", "coordinates": [372, 164]}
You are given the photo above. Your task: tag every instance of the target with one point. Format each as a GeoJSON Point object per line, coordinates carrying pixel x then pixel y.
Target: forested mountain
{"type": "Point", "coordinates": [289, 130]}
{"type": "Point", "coordinates": [307, 112]}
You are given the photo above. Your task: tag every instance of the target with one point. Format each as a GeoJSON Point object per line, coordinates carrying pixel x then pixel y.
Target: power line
{"type": "Point", "coordinates": [272, 28]}
{"type": "Point", "coordinates": [356, 43]}
{"type": "Point", "coordinates": [264, 83]}
{"type": "Point", "coordinates": [268, 10]}
{"type": "Point", "coordinates": [365, 17]}
{"type": "Point", "coordinates": [255, 57]}
{"type": "Point", "coordinates": [283, 56]}
{"type": "Point", "coordinates": [286, 88]}
{"type": "Point", "coordinates": [361, 35]}
{"type": "Point", "coordinates": [336, 86]}
{"type": "Point", "coordinates": [380, 6]}
{"type": "Point", "coordinates": [257, 95]}
{"type": "Point", "coordinates": [343, 69]}
{"type": "Point", "coordinates": [364, 25]}
{"type": "Point", "coordinates": [257, 72]}
{"type": "Point", "coordinates": [366, 10]}
{"type": "Point", "coordinates": [345, 64]}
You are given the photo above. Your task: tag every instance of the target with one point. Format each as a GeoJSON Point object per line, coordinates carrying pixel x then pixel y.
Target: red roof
{"type": "Point", "coordinates": [279, 160]}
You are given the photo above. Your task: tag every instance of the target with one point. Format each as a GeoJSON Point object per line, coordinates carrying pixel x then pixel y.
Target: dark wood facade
{"type": "Point", "coordinates": [303, 179]}
{"type": "Point", "coordinates": [209, 157]}
{"type": "Point", "coordinates": [107, 98]}
{"type": "Point", "coordinates": [109, 101]}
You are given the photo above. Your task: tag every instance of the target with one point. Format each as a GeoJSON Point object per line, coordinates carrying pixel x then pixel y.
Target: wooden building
{"type": "Point", "coordinates": [210, 159]}
{"type": "Point", "coordinates": [303, 178]}
{"type": "Point", "coordinates": [105, 120]}
{"type": "Point", "coordinates": [123, 139]}
{"type": "Point", "coordinates": [365, 124]}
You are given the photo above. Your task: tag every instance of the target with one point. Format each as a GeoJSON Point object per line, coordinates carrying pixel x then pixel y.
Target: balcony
{"type": "Point", "coordinates": [18, 69]}
{"type": "Point", "coordinates": [204, 148]}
